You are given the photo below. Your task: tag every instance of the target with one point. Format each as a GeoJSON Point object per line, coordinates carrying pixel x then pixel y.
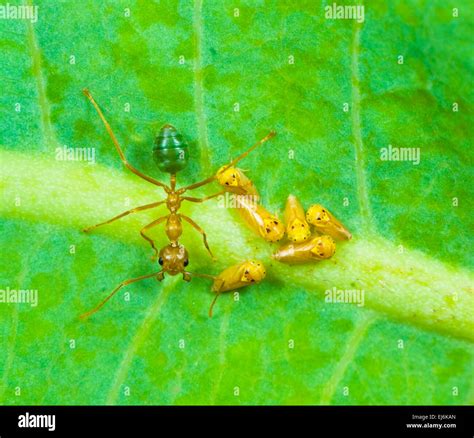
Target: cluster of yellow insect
{"type": "Point", "coordinates": [302, 246]}
{"type": "Point", "coordinates": [305, 246]}
{"type": "Point", "coordinates": [171, 155]}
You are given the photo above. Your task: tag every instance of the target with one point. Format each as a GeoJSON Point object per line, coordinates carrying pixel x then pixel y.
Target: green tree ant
{"type": "Point", "coordinates": [171, 155]}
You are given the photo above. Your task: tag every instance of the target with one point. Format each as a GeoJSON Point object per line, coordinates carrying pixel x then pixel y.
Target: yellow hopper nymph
{"type": "Point", "coordinates": [262, 222]}
{"type": "Point", "coordinates": [243, 274]}
{"type": "Point", "coordinates": [316, 249]}
{"type": "Point", "coordinates": [234, 180]}
{"type": "Point", "coordinates": [297, 229]}
{"type": "Point", "coordinates": [325, 223]}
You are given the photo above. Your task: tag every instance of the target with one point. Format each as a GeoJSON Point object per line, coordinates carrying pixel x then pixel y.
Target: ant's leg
{"type": "Point", "coordinates": [232, 163]}
{"type": "Point", "coordinates": [117, 146]}
{"type": "Point", "coordinates": [198, 184]}
{"type": "Point", "coordinates": [188, 198]}
{"type": "Point", "coordinates": [125, 213]}
{"type": "Point", "coordinates": [199, 229]}
{"type": "Point", "coordinates": [147, 227]}
{"type": "Point", "coordinates": [124, 283]}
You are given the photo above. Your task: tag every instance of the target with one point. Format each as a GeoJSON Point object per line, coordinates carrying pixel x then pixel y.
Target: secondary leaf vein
{"type": "Point", "coordinates": [360, 164]}
{"type": "Point", "coordinates": [44, 105]}
{"type": "Point", "coordinates": [201, 117]}
{"type": "Point", "coordinates": [340, 370]}
{"type": "Point", "coordinates": [136, 342]}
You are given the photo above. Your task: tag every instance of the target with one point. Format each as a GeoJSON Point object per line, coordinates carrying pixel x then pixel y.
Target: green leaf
{"type": "Point", "coordinates": [193, 65]}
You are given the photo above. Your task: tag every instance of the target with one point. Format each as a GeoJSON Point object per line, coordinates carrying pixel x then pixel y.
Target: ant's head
{"type": "Point", "coordinates": [173, 259]}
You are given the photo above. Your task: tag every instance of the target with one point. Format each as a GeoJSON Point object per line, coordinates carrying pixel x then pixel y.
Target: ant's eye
{"type": "Point", "coordinates": [186, 262]}
{"type": "Point", "coordinates": [160, 261]}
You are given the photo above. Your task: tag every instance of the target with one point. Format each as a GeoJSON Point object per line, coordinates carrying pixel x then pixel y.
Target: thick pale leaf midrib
{"type": "Point", "coordinates": [436, 295]}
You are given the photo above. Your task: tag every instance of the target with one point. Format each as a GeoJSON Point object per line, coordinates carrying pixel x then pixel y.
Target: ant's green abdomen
{"type": "Point", "coordinates": [170, 151]}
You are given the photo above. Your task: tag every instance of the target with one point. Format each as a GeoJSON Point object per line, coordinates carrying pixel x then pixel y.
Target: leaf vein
{"type": "Point", "coordinates": [222, 355]}
{"type": "Point", "coordinates": [201, 117]}
{"type": "Point", "coordinates": [360, 158]}
{"type": "Point", "coordinates": [136, 342]}
{"type": "Point", "coordinates": [37, 70]}
{"type": "Point", "coordinates": [346, 359]}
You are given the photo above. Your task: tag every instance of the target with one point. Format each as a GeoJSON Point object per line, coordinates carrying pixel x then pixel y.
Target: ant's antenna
{"type": "Point", "coordinates": [124, 283]}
